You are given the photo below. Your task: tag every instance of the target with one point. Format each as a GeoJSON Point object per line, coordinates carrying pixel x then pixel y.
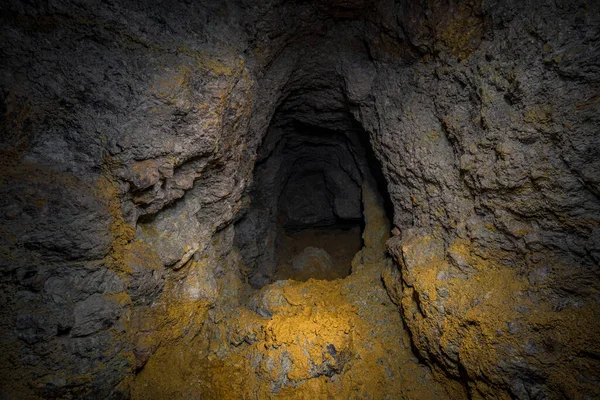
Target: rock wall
{"type": "Point", "coordinates": [490, 148]}
{"type": "Point", "coordinates": [126, 145]}
{"type": "Point", "coordinates": [129, 135]}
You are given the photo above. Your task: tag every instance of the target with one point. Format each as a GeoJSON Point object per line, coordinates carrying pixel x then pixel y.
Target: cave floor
{"type": "Point", "coordinates": [339, 339]}
{"type": "Point", "coordinates": [319, 339]}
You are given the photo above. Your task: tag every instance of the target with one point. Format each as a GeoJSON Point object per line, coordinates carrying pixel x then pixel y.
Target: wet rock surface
{"type": "Point", "coordinates": [131, 136]}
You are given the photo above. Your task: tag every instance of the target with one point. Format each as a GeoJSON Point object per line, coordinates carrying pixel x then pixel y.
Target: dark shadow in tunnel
{"type": "Point", "coordinates": [304, 215]}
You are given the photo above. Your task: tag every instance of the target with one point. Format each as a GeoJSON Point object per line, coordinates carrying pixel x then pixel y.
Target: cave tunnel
{"type": "Point", "coordinates": [300, 199]}
{"type": "Point", "coordinates": [305, 218]}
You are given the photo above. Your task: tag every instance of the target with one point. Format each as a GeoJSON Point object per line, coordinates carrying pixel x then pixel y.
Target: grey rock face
{"type": "Point", "coordinates": [92, 315]}
{"type": "Point", "coordinates": [129, 125]}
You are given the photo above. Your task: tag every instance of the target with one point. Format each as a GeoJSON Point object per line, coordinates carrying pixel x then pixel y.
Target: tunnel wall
{"type": "Point", "coordinates": [129, 132]}
{"type": "Point", "coordinates": [490, 153]}
{"type": "Point", "coordinates": [129, 135]}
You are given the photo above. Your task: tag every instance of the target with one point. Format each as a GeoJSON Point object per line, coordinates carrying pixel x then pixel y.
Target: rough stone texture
{"type": "Point", "coordinates": [129, 133]}
{"type": "Point", "coordinates": [483, 148]}
{"type": "Point", "coordinates": [111, 112]}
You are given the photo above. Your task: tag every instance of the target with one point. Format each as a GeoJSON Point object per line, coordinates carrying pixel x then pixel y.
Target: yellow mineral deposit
{"type": "Point", "coordinates": [337, 339]}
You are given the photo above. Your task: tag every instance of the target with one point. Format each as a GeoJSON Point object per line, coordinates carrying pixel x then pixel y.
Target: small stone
{"type": "Point", "coordinates": [443, 292]}
{"type": "Point", "coordinates": [513, 328]}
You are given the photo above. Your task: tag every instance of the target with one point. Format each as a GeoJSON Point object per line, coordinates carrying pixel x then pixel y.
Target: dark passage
{"type": "Point", "coordinates": [319, 207]}
{"type": "Point", "coordinates": [305, 217]}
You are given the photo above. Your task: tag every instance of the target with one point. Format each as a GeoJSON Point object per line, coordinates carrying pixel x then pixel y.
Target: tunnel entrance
{"type": "Point", "coordinates": [305, 216]}
{"type": "Point", "coordinates": [319, 214]}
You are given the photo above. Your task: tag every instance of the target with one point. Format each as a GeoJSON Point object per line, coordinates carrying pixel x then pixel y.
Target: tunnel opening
{"type": "Point", "coordinates": [305, 216]}
{"type": "Point", "coordinates": [319, 214]}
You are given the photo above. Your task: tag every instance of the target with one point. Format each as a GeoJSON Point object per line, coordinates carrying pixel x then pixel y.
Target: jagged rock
{"type": "Point", "coordinates": [128, 125]}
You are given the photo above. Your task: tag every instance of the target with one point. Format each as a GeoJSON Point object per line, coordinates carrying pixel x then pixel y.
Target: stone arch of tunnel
{"type": "Point", "coordinates": [305, 216]}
